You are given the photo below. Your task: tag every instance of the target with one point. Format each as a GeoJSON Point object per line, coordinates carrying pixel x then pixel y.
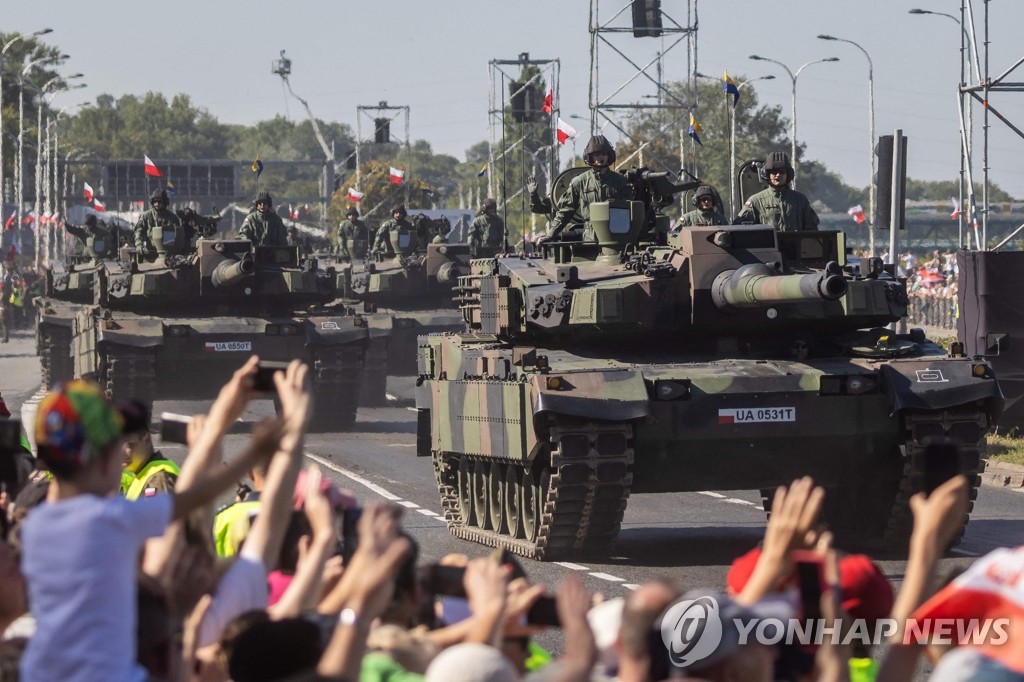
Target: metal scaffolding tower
{"type": "Point", "coordinates": [611, 102]}
{"type": "Point", "coordinates": [506, 140]}
{"type": "Point", "coordinates": [380, 112]}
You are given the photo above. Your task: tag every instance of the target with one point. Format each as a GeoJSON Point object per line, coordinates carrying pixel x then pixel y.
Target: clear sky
{"type": "Point", "coordinates": [433, 55]}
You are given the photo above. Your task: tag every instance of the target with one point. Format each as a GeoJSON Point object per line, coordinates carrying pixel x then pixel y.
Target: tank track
{"type": "Point", "coordinates": [582, 493]}
{"type": "Point", "coordinates": [129, 373]}
{"type": "Point", "coordinates": [373, 392]}
{"type": "Point", "coordinates": [336, 378]}
{"type": "Point", "coordinates": [911, 471]}
{"type": "Point", "coordinates": [54, 350]}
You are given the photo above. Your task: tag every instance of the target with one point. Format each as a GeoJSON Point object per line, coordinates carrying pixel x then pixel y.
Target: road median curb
{"type": "Point", "coordinates": [1003, 475]}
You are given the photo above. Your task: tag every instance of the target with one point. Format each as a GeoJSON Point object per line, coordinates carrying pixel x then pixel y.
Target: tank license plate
{"type": "Point", "coordinates": [228, 346]}
{"type": "Point", "coordinates": [756, 415]}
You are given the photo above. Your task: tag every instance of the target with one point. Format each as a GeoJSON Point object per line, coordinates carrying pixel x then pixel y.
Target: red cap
{"type": "Point", "coordinates": [866, 591]}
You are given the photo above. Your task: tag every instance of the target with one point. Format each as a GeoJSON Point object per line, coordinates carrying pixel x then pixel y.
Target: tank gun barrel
{"type": "Point", "coordinates": [231, 272]}
{"type": "Point", "coordinates": [757, 285]}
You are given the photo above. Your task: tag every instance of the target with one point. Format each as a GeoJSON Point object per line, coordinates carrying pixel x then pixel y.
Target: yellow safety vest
{"type": "Point", "coordinates": [231, 525]}
{"type": "Point", "coordinates": [133, 485]}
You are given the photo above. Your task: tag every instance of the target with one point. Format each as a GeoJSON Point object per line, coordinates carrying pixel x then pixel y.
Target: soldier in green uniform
{"type": "Point", "coordinates": [157, 215]}
{"type": "Point", "coordinates": [262, 226]}
{"type": "Point", "coordinates": [600, 183]}
{"type": "Point", "coordinates": [353, 236]}
{"type": "Point", "coordinates": [704, 213]}
{"type": "Point", "coordinates": [778, 205]}
{"type": "Point", "coordinates": [97, 241]}
{"type": "Point", "coordinates": [396, 235]}
{"type": "Point", "coordinates": [487, 229]}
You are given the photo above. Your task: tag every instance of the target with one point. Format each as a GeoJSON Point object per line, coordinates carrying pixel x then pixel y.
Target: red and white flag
{"type": "Point", "coordinates": [46, 218]}
{"type": "Point", "coordinates": [549, 100]}
{"type": "Point", "coordinates": [99, 205]}
{"type": "Point", "coordinates": [28, 218]}
{"type": "Point", "coordinates": [354, 195]}
{"type": "Point", "coordinates": [151, 168]}
{"type": "Point", "coordinates": [292, 213]}
{"type": "Point", "coordinates": [397, 176]}
{"type": "Point", "coordinates": [857, 213]}
{"type": "Point", "coordinates": [564, 131]}
{"type": "Point", "coordinates": [87, 191]}
{"type": "Point", "coordinates": [989, 592]}
{"type": "Point", "coordinates": [956, 209]}
{"type": "Point", "coordinates": [9, 224]}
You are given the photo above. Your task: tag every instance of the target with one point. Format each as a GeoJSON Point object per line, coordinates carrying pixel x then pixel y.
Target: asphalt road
{"type": "Point", "coordinates": [690, 538]}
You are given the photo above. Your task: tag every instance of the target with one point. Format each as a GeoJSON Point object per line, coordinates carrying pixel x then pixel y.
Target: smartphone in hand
{"type": "Point", "coordinates": [174, 428]}
{"type": "Point", "coordinates": [941, 463]}
{"type": "Point", "coordinates": [264, 379]}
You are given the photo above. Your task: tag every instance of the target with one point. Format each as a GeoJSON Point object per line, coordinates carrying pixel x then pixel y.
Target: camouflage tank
{"type": "Point", "coordinates": [707, 358]}
{"type": "Point", "coordinates": [176, 328]}
{"type": "Point", "coordinates": [404, 296]}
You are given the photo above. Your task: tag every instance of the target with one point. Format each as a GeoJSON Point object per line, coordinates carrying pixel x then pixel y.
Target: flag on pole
{"type": "Point", "coordinates": [549, 101]}
{"type": "Point", "coordinates": [99, 206]}
{"type": "Point", "coordinates": [257, 166]}
{"type": "Point", "coordinates": [151, 168]}
{"type": "Point", "coordinates": [397, 176]}
{"type": "Point", "coordinates": [564, 131]}
{"type": "Point", "coordinates": [170, 188]}
{"type": "Point", "coordinates": [9, 224]}
{"type": "Point", "coordinates": [355, 196]}
{"type": "Point", "coordinates": [857, 213]}
{"type": "Point", "coordinates": [87, 191]}
{"type": "Point", "coordinates": [28, 218]}
{"type": "Point", "coordinates": [694, 130]}
{"type": "Point", "coordinates": [956, 209]}
{"type": "Point", "coordinates": [730, 89]}
{"type": "Point", "coordinates": [292, 213]}
{"type": "Point", "coordinates": [482, 172]}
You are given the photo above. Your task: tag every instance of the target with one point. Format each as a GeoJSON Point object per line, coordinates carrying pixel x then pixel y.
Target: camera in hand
{"type": "Point", "coordinates": [349, 533]}
{"type": "Point", "coordinates": [174, 428]}
{"type": "Point", "coordinates": [264, 379]}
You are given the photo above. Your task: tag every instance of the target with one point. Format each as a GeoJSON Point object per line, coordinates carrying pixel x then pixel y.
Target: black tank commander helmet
{"type": "Point", "coordinates": [598, 144]}
{"type": "Point", "coordinates": [159, 195]}
{"type": "Point", "coordinates": [352, 212]}
{"type": "Point", "coordinates": [779, 161]}
{"type": "Point", "coordinates": [399, 208]}
{"type": "Point", "coordinates": [264, 197]}
{"type": "Point", "coordinates": [702, 191]}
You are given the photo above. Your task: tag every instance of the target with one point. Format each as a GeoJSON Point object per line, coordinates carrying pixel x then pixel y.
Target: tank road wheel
{"type": "Point", "coordinates": [54, 350]}
{"type": "Point", "coordinates": [495, 497]}
{"type": "Point", "coordinates": [465, 493]}
{"type": "Point", "coordinates": [374, 390]}
{"type": "Point", "coordinates": [530, 505]}
{"type": "Point", "coordinates": [512, 500]}
{"type": "Point", "coordinates": [478, 486]}
{"type": "Point", "coordinates": [129, 373]}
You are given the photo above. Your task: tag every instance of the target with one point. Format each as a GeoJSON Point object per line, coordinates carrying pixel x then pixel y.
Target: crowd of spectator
{"type": "Point", "coordinates": [304, 584]}
{"type": "Point", "coordinates": [932, 283]}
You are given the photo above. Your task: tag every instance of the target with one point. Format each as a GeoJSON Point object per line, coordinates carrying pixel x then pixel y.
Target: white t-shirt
{"type": "Point", "coordinates": [242, 588]}
{"type": "Point", "coordinates": [79, 558]}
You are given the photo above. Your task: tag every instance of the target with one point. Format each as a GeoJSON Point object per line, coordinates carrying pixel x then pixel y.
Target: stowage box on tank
{"type": "Point", "coordinates": [708, 358]}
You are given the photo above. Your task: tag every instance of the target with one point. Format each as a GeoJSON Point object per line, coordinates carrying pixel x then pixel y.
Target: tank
{"type": "Point", "coordinates": [177, 327]}
{"type": "Point", "coordinates": [702, 359]}
{"type": "Point", "coordinates": [404, 296]}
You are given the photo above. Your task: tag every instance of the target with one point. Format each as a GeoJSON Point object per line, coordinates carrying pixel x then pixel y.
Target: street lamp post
{"type": "Point", "coordinates": [3, 53]}
{"type": "Point", "coordinates": [793, 77]}
{"type": "Point", "coordinates": [872, 190]}
{"type": "Point", "coordinates": [42, 157]}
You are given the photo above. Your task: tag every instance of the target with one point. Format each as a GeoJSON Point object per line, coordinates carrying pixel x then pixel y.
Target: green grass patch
{"type": "Point", "coordinates": [1006, 448]}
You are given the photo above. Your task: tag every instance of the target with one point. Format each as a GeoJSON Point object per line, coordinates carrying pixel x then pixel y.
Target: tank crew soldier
{"type": "Point", "coordinates": [704, 212]}
{"type": "Point", "coordinates": [395, 234]}
{"type": "Point", "coordinates": [487, 229]}
{"type": "Point", "coordinates": [600, 183]}
{"type": "Point", "coordinates": [146, 472]}
{"type": "Point", "coordinates": [98, 241]}
{"type": "Point", "coordinates": [262, 226]}
{"type": "Point", "coordinates": [778, 205]}
{"type": "Point", "coordinates": [353, 236]}
{"type": "Point", "coordinates": [538, 204]}
{"type": "Point", "coordinates": [158, 214]}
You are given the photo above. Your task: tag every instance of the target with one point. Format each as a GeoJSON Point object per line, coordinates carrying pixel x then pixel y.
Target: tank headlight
{"type": "Point", "coordinates": [671, 390]}
{"type": "Point", "coordinates": [859, 385]}
{"type": "Point", "coordinates": [554, 383]}
{"type": "Point", "coordinates": [178, 330]}
{"type": "Point", "coordinates": [288, 330]}
{"type": "Point", "coordinates": [980, 371]}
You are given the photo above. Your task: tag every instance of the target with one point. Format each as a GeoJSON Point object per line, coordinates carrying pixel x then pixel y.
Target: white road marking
{"type": "Point", "coordinates": [401, 445]}
{"type": "Point", "coordinates": [428, 512]}
{"type": "Point", "coordinates": [571, 566]}
{"type": "Point", "coordinates": [608, 577]}
{"type": "Point", "coordinates": [390, 397]}
{"type": "Point", "coordinates": [631, 586]}
{"type": "Point", "coordinates": [355, 477]}
{"type": "Point", "coordinates": [407, 503]}
{"type": "Point", "coordinates": [736, 500]}
{"type": "Point", "coordinates": [709, 493]}
{"type": "Point", "coordinates": [411, 409]}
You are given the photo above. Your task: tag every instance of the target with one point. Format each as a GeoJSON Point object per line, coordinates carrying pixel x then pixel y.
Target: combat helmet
{"type": "Point", "coordinates": [598, 144]}
{"type": "Point", "coordinates": [702, 191]}
{"type": "Point", "coordinates": [779, 161]}
{"type": "Point", "coordinates": [352, 212]}
{"type": "Point", "coordinates": [264, 196]}
{"type": "Point", "coordinates": [399, 208]}
{"type": "Point", "coordinates": [159, 195]}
